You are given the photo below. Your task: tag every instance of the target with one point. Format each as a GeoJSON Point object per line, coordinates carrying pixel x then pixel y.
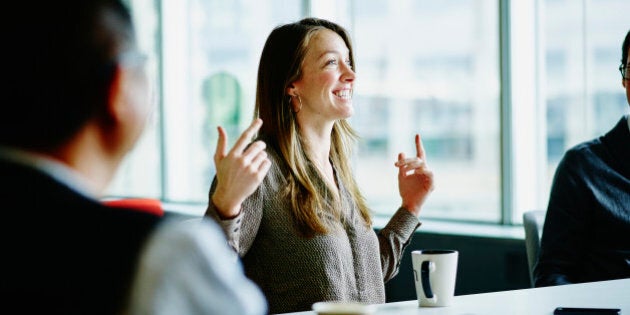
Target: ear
{"type": "Point", "coordinates": [115, 106]}
{"type": "Point", "coordinates": [624, 82]}
{"type": "Point", "coordinates": [291, 90]}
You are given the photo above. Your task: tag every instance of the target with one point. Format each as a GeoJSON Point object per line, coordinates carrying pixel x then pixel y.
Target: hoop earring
{"type": "Point", "coordinates": [299, 101]}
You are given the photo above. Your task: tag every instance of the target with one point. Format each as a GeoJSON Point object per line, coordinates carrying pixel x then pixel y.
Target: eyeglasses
{"type": "Point", "coordinates": [624, 72]}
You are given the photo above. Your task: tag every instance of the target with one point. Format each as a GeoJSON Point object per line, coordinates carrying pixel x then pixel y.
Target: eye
{"type": "Point", "coordinates": [331, 62]}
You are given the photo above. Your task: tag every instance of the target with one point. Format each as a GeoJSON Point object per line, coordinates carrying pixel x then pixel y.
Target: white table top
{"type": "Point", "coordinates": [603, 294]}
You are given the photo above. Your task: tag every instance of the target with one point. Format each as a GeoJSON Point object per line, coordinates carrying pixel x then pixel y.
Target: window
{"type": "Point", "coordinates": [584, 96]}
{"type": "Point", "coordinates": [429, 67]}
{"type": "Point", "coordinates": [498, 90]}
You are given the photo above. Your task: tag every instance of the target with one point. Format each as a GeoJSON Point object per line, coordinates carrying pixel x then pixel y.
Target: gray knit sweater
{"type": "Point", "coordinates": [350, 263]}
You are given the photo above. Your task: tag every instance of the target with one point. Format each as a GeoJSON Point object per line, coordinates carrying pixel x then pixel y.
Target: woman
{"type": "Point", "coordinates": [305, 234]}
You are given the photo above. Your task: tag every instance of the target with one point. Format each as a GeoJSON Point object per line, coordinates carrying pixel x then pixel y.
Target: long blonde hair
{"type": "Point", "coordinates": [280, 65]}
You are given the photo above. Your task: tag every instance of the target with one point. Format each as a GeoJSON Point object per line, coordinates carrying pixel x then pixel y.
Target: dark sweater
{"type": "Point", "coordinates": [64, 253]}
{"type": "Point", "coordinates": [586, 235]}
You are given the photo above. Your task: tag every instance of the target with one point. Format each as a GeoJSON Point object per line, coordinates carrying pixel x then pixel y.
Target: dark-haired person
{"type": "Point", "coordinates": [586, 235]}
{"type": "Point", "coordinates": [75, 102]}
{"type": "Point", "coordinates": [306, 234]}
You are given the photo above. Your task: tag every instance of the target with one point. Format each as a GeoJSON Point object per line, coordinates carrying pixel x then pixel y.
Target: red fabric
{"type": "Point", "coordinates": [141, 204]}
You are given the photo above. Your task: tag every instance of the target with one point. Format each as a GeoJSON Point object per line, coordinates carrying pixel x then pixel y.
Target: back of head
{"type": "Point", "coordinates": [61, 61]}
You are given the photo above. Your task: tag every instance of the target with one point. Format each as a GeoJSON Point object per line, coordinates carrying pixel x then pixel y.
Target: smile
{"type": "Point", "coordinates": [344, 94]}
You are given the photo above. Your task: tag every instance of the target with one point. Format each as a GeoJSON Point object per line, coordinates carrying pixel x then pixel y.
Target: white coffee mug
{"type": "Point", "coordinates": [435, 271]}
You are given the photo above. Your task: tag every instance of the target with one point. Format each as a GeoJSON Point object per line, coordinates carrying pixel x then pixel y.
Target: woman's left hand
{"type": "Point", "coordinates": [415, 179]}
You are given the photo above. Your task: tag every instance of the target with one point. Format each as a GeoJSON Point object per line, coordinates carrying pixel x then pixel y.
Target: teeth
{"type": "Point", "coordinates": [346, 94]}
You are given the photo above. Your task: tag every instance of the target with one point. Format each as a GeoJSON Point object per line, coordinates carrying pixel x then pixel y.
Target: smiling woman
{"type": "Point", "coordinates": [306, 234]}
{"type": "Point", "coordinates": [323, 92]}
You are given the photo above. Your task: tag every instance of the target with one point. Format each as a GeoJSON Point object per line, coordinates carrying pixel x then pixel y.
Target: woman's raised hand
{"type": "Point", "coordinates": [239, 171]}
{"type": "Point", "coordinates": [415, 179]}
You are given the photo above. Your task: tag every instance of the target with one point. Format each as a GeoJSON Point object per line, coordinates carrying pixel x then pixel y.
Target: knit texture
{"type": "Point", "coordinates": [351, 263]}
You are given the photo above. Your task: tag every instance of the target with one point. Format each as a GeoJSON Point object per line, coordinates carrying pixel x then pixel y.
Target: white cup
{"type": "Point", "coordinates": [434, 271]}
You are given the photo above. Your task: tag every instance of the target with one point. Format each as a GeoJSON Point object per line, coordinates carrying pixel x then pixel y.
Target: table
{"type": "Point", "coordinates": [606, 294]}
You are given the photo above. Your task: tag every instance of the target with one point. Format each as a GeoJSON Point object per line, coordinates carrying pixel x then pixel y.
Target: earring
{"type": "Point", "coordinates": [299, 108]}
{"type": "Point", "coordinates": [299, 101]}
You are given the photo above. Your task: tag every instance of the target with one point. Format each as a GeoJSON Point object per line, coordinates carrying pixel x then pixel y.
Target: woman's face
{"type": "Point", "coordinates": [325, 88]}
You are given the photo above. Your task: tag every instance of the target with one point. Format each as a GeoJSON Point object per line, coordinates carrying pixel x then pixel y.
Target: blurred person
{"type": "Point", "coordinates": [75, 103]}
{"type": "Point", "coordinates": [306, 235]}
{"type": "Point", "coordinates": [586, 234]}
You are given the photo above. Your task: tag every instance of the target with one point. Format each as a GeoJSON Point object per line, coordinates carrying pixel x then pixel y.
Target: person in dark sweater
{"type": "Point", "coordinates": [586, 234]}
{"type": "Point", "coordinates": [75, 102]}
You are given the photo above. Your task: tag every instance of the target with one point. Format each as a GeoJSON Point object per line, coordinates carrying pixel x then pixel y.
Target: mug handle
{"type": "Point", "coordinates": [426, 268]}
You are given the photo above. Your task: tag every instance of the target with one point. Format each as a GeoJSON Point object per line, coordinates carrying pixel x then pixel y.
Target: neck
{"type": "Point", "coordinates": [88, 154]}
{"type": "Point", "coordinates": [317, 139]}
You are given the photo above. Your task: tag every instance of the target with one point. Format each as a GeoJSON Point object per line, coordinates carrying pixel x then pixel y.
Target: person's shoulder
{"type": "Point", "coordinates": [198, 239]}
{"type": "Point", "coordinates": [577, 160]}
{"type": "Point", "coordinates": [597, 150]}
{"type": "Point", "coordinates": [585, 150]}
{"type": "Point", "coordinates": [582, 151]}
{"type": "Point", "coordinates": [192, 231]}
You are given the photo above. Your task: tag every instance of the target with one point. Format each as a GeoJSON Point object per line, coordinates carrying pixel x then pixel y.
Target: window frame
{"type": "Point", "coordinates": [522, 114]}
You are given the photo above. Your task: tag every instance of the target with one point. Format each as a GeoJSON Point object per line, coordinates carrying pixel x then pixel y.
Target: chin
{"type": "Point", "coordinates": [347, 113]}
{"type": "Point", "coordinates": [347, 109]}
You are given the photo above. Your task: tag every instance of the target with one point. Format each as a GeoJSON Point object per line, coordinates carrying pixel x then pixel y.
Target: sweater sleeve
{"type": "Point", "coordinates": [241, 230]}
{"type": "Point", "coordinates": [394, 238]}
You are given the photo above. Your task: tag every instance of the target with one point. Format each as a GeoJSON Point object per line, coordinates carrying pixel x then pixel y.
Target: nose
{"type": "Point", "coordinates": [348, 74]}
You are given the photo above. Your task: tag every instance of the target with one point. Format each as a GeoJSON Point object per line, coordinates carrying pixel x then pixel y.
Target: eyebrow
{"type": "Point", "coordinates": [331, 52]}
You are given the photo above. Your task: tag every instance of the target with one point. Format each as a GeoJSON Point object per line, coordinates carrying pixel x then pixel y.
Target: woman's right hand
{"type": "Point", "coordinates": [239, 171]}
{"type": "Point", "coordinates": [415, 179]}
